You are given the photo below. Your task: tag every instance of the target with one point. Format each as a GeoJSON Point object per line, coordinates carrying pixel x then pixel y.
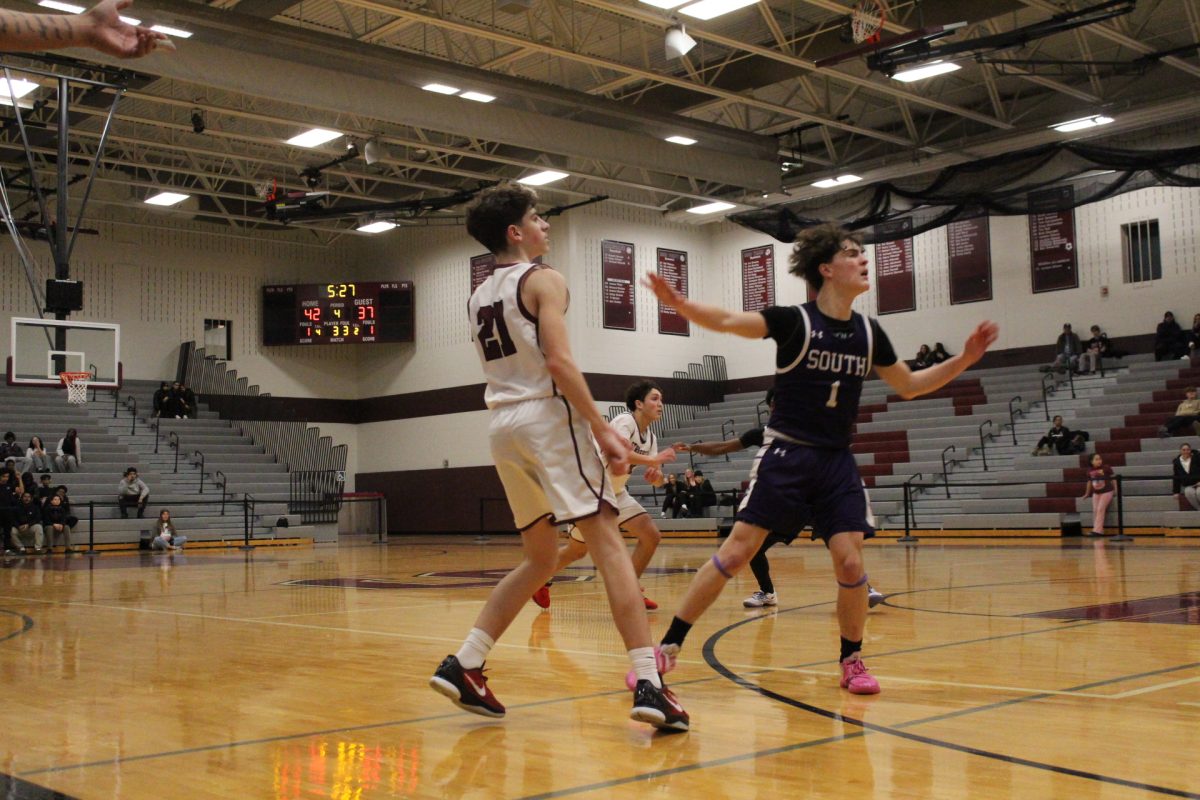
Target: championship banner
{"type": "Point", "coordinates": [896, 289]}
{"type": "Point", "coordinates": [673, 268]}
{"type": "Point", "coordinates": [1052, 240]}
{"type": "Point", "coordinates": [481, 269]}
{"type": "Point", "coordinates": [758, 277]}
{"type": "Point", "coordinates": [616, 267]}
{"type": "Point", "coordinates": [969, 244]}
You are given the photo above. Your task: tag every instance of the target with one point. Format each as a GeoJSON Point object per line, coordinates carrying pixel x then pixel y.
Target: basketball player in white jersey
{"type": "Point", "coordinates": [541, 415]}
{"type": "Point", "coordinates": [645, 403]}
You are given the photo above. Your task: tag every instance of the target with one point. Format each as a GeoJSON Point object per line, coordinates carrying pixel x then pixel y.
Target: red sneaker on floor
{"type": "Point", "coordinates": [466, 688]}
{"type": "Point", "coordinates": [856, 678]}
{"type": "Point", "coordinates": [650, 604]}
{"type": "Point", "coordinates": [542, 596]}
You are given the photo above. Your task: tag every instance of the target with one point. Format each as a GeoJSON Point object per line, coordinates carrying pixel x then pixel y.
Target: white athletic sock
{"type": "Point", "coordinates": [475, 649]}
{"type": "Point", "coordinates": [644, 665]}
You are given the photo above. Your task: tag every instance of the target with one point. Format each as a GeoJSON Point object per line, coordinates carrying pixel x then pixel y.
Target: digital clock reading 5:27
{"type": "Point", "coordinates": [338, 313]}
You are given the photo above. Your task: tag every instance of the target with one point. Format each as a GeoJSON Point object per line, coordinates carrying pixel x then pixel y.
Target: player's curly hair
{"type": "Point", "coordinates": [497, 207]}
{"type": "Point", "coordinates": [817, 246]}
{"type": "Point", "coordinates": [638, 392]}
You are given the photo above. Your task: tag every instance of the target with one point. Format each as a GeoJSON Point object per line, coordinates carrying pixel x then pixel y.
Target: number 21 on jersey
{"type": "Point", "coordinates": [493, 332]}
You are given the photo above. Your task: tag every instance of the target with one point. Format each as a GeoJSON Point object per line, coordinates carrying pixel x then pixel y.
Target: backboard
{"type": "Point", "coordinates": [39, 349]}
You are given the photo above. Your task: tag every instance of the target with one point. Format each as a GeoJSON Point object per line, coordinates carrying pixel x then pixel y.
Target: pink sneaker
{"type": "Point", "coordinates": [665, 662]}
{"type": "Point", "coordinates": [856, 678]}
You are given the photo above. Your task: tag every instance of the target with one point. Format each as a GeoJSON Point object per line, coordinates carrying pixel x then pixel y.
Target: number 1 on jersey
{"type": "Point", "coordinates": [833, 390]}
{"type": "Point", "coordinates": [493, 332]}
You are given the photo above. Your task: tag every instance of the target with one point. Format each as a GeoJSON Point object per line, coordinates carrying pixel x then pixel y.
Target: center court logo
{"type": "Point", "coordinates": [464, 579]}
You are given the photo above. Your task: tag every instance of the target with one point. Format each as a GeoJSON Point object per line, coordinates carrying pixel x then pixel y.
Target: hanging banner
{"type": "Point", "coordinates": [481, 269]}
{"type": "Point", "coordinates": [969, 244]}
{"type": "Point", "coordinates": [1052, 240]}
{"type": "Point", "coordinates": [673, 268]}
{"type": "Point", "coordinates": [616, 268]}
{"type": "Point", "coordinates": [758, 277]}
{"type": "Point", "coordinates": [895, 287]}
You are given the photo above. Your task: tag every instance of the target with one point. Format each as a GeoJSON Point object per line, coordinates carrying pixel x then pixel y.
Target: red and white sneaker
{"type": "Point", "coordinates": [665, 661]}
{"type": "Point", "coordinates": [466, 688]}
{"type": "Point", "coordinates": [542, 596]}
{"type": "Point", "coordinates": [659, 707]}
{"type": "Point", "coordinates": [856, 678]}
{"type": "Point", "coordinates": [650, 604]}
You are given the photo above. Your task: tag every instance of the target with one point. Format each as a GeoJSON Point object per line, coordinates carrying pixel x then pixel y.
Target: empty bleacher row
{"type": "Point", "coordinates": [940, 443]}
{"type": "Point", "coordinates": [110, 444]}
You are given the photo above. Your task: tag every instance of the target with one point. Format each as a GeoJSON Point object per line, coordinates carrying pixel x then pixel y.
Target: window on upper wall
{"type": "Point", "coordinates": [1140, 251]}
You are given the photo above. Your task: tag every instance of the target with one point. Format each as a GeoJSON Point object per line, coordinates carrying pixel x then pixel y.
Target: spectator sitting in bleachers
{"type": "Point", "coordinates": [1093, 351]}
{"type": "Point", "coordinates": [132, 491]}
{"type": "Point", "coordinates": [69, 452]}
{"type": "Point", "coordinates": [701, 497]}
{"type": "Point", "coordinates": [675, 496]}
{"type": "Point", "coordinates": [189, 401]}
{"type": "Point", "coordinates": [1187, 414]}
{"type": "Point", "coordinates": [923, 359]}
{"type": "Point", "coordinates": [29, 525]}
{"type": "Point", "coordinates": [1067, 350]}
{"type": "Point", "coordinates": [1168, 339]}
{"type": "Point", "coordinates": [36, 457]}
{"type": "Point", "coordinates": [44, 490]}
{"type": "Point", "coordinates": [10, 449]}
{"type": "Point", "coordinates": [1186, 478]}
{"type": "Point", "coordinates": [160, 397]}
{"type": "Point", "coordinates": [165, 537]}
{"type": "Point", "coordinates": [939, 354]}
{"type": "Point", "coordinates": [1062, 440]}
{"type": "Point", "coordinates": [1193, 338]}
{"type": "Point", "coordinates": [56, 521]}
{"type": "Point", "coordinates": [8, 514]}
{"type": "Point", "coordinates": [61, 492]}
{"type": "Point", "coordinates": [17, 480]}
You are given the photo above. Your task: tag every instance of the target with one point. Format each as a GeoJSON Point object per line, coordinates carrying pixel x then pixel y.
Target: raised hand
{"type": "Point", "coordinates": [108, 34]}
{"type": "Point", "coordinates": [983, 337]}
{"type": "Point", "coordinates": [663, 290]}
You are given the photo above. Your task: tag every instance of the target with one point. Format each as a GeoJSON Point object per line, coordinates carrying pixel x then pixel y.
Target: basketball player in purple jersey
{"type": "Point", "coordinates": [805, 470]}
{"type": "Point", "coordinates": [543, 432]}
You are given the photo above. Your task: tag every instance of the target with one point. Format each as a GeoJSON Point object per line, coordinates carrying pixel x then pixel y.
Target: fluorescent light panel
{"type": "Point", "coordinates": [440, 88]}
{"type": "Point", "coordinates": [840, 180]}
{"type": "Point", "coordinates": [711, 208]}
{"type": "Point", "coordinates": [708, 9]}
{"type": "Point", "coordinates": [313, 138]}
{"type": "Point", "coordinates": [681, 140]}
{"type": "Point", "coordinates": [376, 227]}
{"type": "Point", "coordinates": [542, 178]}
{"type": "Point", "coordinates": [21, 87]}
{"type": "Point", "coordinates": [71, 8]}
{"type": "Point", "coordinates": [166, 199]}
{"type": "Point", "coordinates": [1082, 123]}
{"type": "Point", "coordinates": [926, 71]}
{"type": "Point", "coordinates": [664, 3]}
{"type": "Point", "coordinates": [478, 97]}
{"type": "Point", "coordinates": [178, 33]}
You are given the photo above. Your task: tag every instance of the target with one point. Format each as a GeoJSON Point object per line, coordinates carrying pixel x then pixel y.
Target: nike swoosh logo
{"type": "Point", "coordinates": [674, 704]}
{"type": "Point", "coordinates": [480, 690]}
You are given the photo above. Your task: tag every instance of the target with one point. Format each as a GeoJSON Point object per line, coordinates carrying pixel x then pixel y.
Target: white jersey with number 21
{"type": "Point", "coordinates": [506, 339]}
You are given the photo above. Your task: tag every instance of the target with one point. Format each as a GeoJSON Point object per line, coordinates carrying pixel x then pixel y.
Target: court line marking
{"type": "Point", "coordinates": [1155, 688]}
{"type": "Point", "coordinates": [1182, 703]}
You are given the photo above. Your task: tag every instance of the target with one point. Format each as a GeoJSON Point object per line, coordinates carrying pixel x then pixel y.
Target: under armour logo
{"type": "Point", "coordinates": [818, 334]}
{"type": "Point", "coordinates": [779, 451]}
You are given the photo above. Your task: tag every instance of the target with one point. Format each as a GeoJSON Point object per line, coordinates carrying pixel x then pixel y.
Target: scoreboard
{"type": "Point", "coordinates": [338, 313]}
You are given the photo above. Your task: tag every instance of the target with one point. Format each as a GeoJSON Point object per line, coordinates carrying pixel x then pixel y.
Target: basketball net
{"type": "Point", "coordinates": [866, 20]}
{"type": "Point", "coordinates": [77, 386]}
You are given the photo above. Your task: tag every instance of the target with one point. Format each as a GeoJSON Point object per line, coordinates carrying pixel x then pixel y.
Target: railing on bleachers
{"type": "Point", "coordinates": [316, 495]}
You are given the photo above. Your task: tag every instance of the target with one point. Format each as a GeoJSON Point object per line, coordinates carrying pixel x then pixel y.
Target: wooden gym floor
{"type": "Point", "coordinates": [1009, 668]}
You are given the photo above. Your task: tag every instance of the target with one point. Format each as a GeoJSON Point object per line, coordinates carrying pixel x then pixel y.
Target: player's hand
{"type": "Point", "coordinates": [681, 447]}
{"type": "Point", "coordinates": [654, 476]}
{"type": "Point", "coordinates": [615, 447]}
{"type": "Point", "coordinates": [979, 341]}
{"type": "Point", "coordinates": [666, 456]}
{"type": "Point", "coordinates": [663, 290]}
{"type": "Point", "coordinates": [109, 34]}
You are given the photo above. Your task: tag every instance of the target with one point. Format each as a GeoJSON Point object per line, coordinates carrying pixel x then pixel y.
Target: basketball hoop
{"type": "Point", "coordinates": [77, 386]}
{"type": "Point", "coordinates": [866, 20]}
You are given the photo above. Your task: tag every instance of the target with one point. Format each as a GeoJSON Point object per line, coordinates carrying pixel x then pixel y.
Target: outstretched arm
{"type": "Point", "coordinates": [749, 324]}
{"type": "Point", "coordinates": [100, 27]}
{"type": "Point", "coordinates": [911, 384]}
{"type": "Point", "coordinates": [710, 448]}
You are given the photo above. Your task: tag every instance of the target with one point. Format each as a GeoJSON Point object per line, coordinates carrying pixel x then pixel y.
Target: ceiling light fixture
{"type": "Point", "coordinates": [711, 208]}
{"type": "Point", "coordinates": [708, 9]}
{"type": "Point", "coordinates": [664, 3]}
{"type": "Point", "coordinates": [379, 226]}
{"type": "Point", "coordinates": [440, 88]}
{"type": "Point", "coordinates": [178, 33]}
{"type": "Point", "coordinates": [478, 97]}
{"type": "Point", "coordinates": [681, 140]}
{"type": "Point", "coordinates": [542, 178]}
{"type": "Point", "coordinates": [71, 8]}
{"type": "Point", "coordinates": [840, 180]}
{"type": "Point", "coordinates": [677, 43]}
{"type": "Point", "coordinates": [19, 87]}
{"type": "Point", "coordinates": [166, 199]}
{"type": "Point", "coordinates": [926, 71]}
{"type": "Point", "coordinates": [313, 138]}
{"type": "Point", "coordinates": [1082, 123]}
